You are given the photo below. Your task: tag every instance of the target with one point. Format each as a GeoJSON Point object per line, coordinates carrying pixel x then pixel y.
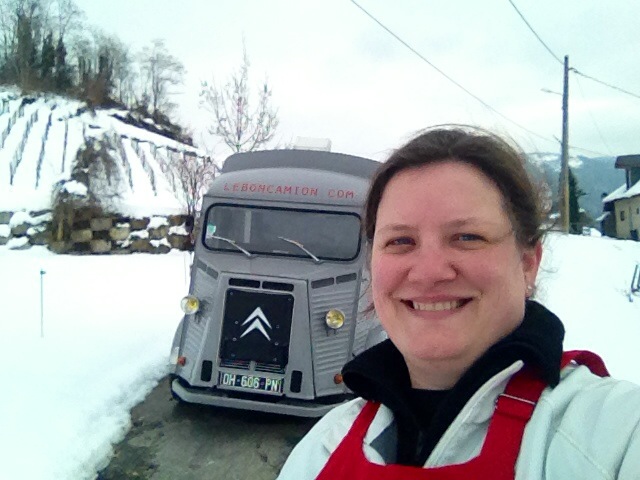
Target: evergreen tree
{"type": "Point", "coordinates": [47, 60]}
{"type": "Point", "coordinates": [575, 193]}
{"type": "Point", "coordinates": [62, 74]}
{"type": "Point", "coordinates": [26, 51]}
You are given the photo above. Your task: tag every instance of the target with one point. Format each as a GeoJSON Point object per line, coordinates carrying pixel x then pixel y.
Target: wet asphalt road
{"type": "Point", "coordinates": [179, 441]}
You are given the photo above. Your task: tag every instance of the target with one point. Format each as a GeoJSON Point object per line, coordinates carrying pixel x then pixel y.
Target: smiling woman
{"type": "Point", "coordinates": [449, 278]}
{"type": "Point", "coordinates": [473, 374]}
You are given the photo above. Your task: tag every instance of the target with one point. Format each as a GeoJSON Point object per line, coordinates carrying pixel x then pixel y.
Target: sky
{"type": "Point", "coordinates": [103, 339]}
{"type": "Point", "coordinates": [337, 74]}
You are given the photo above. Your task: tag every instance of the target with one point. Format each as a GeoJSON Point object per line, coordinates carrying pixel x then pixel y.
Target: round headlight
{"type": "Point", "coordinates": [334, 319]}
{"type": "Point", "coordinates": [190, 304]}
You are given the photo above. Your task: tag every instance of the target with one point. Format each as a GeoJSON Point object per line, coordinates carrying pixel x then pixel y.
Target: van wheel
{"type": "Point", "coordinates": [174, 395]}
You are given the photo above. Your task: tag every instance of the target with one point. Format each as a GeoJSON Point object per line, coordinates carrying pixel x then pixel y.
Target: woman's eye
{"type": "Point", "coordinates": [469, 237]}
{"type": "Point", "coordinates": [469, 240]}
{"type": "Point", "coordinates": [400, 241]}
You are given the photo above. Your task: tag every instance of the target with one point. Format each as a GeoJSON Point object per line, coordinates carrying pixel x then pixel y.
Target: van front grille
{"type": "Point", "coordinates": [228, 363]}
{"type": "Point", "coordinates": [269, 367]}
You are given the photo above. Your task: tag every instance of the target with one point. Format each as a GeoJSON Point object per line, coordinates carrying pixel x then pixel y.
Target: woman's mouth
{"type": "Point", "coordinates": [437, 306]}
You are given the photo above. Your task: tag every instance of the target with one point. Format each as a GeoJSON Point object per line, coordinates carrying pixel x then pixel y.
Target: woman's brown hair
{"type": "Point", "coordinates": [503, 163]}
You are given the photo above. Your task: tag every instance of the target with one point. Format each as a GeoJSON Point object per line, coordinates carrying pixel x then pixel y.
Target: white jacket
{"type": "Point", "coordinates": [587, 427]}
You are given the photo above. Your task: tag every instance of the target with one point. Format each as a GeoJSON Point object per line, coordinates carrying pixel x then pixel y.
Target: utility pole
{"type": "Point", "coordinates": [564, 172]}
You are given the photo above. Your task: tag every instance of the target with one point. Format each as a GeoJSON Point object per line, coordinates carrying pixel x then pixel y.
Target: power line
{"type": "Point", "coordinates": [577, 72]}
{"type": "Point", "coordinates": [606, 84]}
{"type": "Point", "coordinates": [534, 32]}
{"type": "Point", "coordinates": [590, 151]}
{"type": "Point", "coordinates": [593, 119]}
{"type": "Point", "coordinates": [485, 104]}
{"type": "Point", "coordinates": [424, 59]}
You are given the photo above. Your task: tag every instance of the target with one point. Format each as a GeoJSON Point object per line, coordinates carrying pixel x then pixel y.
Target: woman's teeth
{"type": "Point", "coordinates": [437, 307]}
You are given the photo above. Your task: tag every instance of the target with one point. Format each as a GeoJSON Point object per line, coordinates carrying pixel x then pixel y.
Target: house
{"type": "Point", "coordinates": [621, 217]}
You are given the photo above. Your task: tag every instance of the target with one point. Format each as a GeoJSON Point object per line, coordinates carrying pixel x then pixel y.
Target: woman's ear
{"type": "Point", "coordinates": [531, 258]}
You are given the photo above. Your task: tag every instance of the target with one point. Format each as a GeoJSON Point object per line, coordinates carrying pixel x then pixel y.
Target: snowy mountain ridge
{"type": "Point", "coordinates": [595, 175]}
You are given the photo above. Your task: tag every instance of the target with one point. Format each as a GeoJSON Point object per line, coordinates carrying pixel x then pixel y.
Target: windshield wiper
{"type": "Point", "coordinates": [301, 247]}
{"type": "Point", "coordinates": [232, 242]}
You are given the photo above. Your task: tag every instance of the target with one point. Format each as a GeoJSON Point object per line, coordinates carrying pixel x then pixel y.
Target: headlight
{"type": "Point", "coordinates": [190, 304]}
{"type": "Point", "coordinates": [334, 319]}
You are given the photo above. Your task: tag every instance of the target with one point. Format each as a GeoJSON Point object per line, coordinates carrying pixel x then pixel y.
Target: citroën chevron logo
{"type": "Point", "coordinates": [257, 321]}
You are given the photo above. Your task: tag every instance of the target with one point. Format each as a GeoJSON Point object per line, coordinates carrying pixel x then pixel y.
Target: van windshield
{"type": "Point", "coordinates": [283, 232]}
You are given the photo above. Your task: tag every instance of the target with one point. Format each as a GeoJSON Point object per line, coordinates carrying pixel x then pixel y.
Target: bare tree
{"type": "Point", "coordinates": [194, 174]}
{"type": "Point", "coordinates": [233, 120]}
{"type": "Point", "coordinates": [162, 71]}
{"type": "Point", "coordinates": [67, 16]}
{"type": "Point", "coordinates": [123, 74]}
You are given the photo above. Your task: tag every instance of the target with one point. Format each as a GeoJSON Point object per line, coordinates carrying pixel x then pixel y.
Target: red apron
{"type": "Point", "coordinates": [496, 460]}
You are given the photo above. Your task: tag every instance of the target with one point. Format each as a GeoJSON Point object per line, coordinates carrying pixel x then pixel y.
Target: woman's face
{"type": "Point", "coordinates": [448, 277]}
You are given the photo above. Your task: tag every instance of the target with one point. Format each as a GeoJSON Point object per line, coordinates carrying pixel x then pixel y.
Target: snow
{"type": "Point", "coordinates": [143, 234]}
{"type": "Point", "coordinates": [623, 192]}
{"type": "Point", "coordinates": [178, 230]}
{"type": "Point", "coordinates": [162, 242]}
{"type": "Point", "coordinates": [20, 218]}
{"type": "Point", "coordinates": [109, 322]}
{"type": "Point", "coordinates": [156, 222]}
{"type": "Point", "coordinates": [108, 326]}
{"type": "Point", "coordinates": [17, 243]}
{"type": "Point", "coordinates": [42, 139]}
{"type": "Point", "coordinates": [76, 188]}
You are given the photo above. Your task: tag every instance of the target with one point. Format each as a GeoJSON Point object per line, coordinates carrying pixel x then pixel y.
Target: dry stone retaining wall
{"type": "Point", "coordinates": [104, 234]}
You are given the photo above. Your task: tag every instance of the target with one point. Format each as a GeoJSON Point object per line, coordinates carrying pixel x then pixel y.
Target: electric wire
{"type": "Point", "coordinates": [535, 33]}
{"type": "Point", "coordinates": [593, 119]}
{"type": "Point", "coordinates": [577, 72]}
{"type": "Point", "coordinates": [424, 59]}
{"type": "Point", "coordinates": [485, 104]}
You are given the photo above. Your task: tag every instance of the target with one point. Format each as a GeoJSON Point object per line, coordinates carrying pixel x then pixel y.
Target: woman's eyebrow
{"type": "Point", "coordinates": [472, 221]}
{"type": "Point", "coordinates": [394, 227]}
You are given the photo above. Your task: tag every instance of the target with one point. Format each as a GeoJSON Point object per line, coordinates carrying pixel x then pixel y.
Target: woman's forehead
{"type": "Point", "coordinates": [446, 183]}
{"type": "Point", "coordinates": [453, 194]}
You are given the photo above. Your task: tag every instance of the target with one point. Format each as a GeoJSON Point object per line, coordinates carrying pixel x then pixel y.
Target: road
{"type": "Point", "coordinates": [178, 441]}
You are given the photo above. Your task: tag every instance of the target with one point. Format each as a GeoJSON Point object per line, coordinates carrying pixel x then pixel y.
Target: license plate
{"type": "Point", "coordinates": [250, 382]}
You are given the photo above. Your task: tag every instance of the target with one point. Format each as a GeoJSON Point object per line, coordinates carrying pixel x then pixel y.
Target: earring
{"type": "Point", "coordinates": [529, 290]}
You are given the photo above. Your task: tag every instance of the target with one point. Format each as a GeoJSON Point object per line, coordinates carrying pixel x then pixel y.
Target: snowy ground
{"type": "Point", "coordinates": [109, 322]}
{"type": "Point", "coordinates": [108, 326]}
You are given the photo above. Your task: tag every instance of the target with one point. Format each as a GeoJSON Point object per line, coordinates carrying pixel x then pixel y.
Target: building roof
{"type": "Point", "coordinates": [628, 161]}
{"type": "Point", "coordinates": [623, 192]}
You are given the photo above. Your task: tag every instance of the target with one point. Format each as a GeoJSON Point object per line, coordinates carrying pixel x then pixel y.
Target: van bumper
{"type": "Point", "coordinates": [283, 405]}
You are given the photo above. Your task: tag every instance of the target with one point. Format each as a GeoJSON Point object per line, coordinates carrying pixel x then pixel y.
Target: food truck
{"type": "Point", "coordinates": [278, 294]}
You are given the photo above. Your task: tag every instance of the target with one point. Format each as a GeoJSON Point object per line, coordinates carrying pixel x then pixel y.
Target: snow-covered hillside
{"type": "Point", "coordinates": [40, 137]}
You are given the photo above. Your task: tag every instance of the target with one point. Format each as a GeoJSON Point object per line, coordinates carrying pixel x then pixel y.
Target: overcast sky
{"type": "Point", "coordinates": [337, 74]}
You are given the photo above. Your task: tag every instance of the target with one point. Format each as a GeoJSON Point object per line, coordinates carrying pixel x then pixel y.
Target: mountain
{"type": "Point", "coordinates": [595, 176]}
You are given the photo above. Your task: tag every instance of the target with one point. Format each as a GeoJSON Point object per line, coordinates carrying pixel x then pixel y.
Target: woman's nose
{"type": "Point", "coordinates": [432, 263]}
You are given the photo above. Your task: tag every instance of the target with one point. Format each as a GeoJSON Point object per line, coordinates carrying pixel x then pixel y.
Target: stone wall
{"type": "Point", "coordinates": [104, 234]}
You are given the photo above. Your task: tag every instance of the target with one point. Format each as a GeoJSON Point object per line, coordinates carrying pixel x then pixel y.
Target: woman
{"type": "Point", "coordinates": [473, 382]}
